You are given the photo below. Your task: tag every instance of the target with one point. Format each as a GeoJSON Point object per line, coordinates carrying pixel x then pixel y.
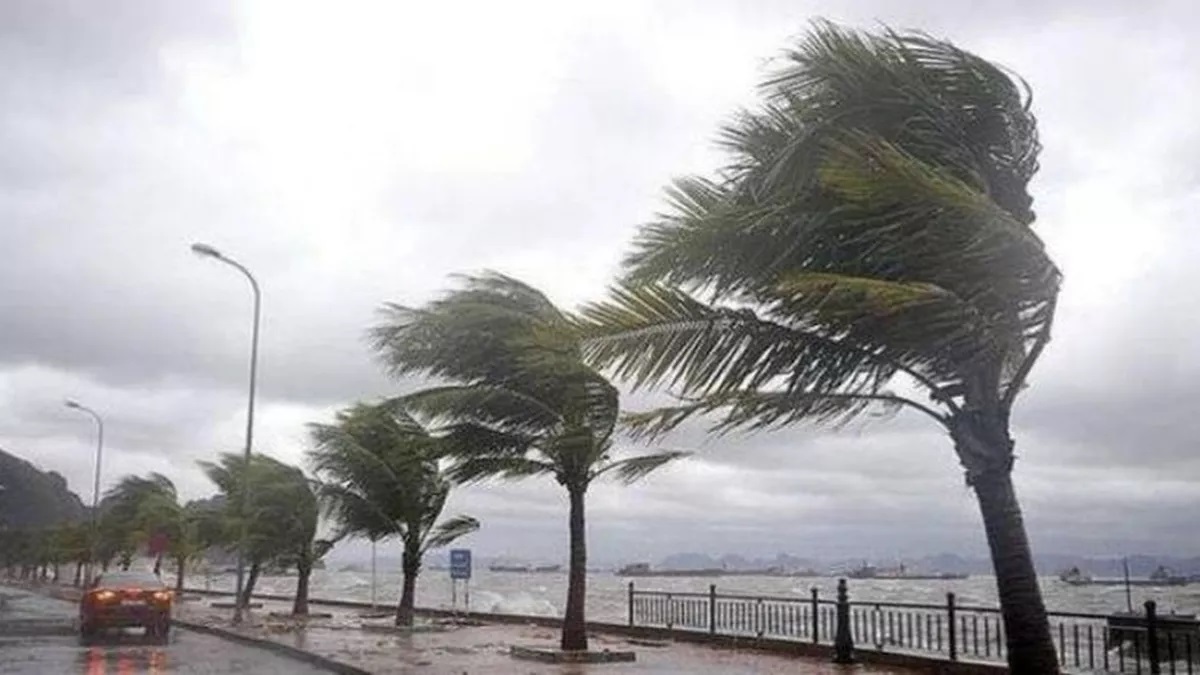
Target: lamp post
{"type": "Point", "coordinates": [206, 251]}
{"type": "Point", "coordinates": [75, 405]}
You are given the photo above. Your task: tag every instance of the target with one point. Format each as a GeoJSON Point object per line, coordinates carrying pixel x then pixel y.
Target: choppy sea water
{"type": "Point", "coordinates": [545, 593]}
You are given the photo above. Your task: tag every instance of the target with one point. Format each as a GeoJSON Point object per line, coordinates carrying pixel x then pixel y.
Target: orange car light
{"type": "Point", "coordinates": [104, 596]}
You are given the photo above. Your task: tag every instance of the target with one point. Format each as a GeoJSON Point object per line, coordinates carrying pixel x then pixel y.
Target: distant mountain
{"type": "Point", "coordinates": [31, 498]}
{"type": "Point", "coordinates": [1050, 564]}
{"type": "Point", "coordinates": [735, 561]}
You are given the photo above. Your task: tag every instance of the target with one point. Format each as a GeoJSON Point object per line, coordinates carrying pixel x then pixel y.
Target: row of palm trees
{"type": "Point", "coordinates": [867, 248]}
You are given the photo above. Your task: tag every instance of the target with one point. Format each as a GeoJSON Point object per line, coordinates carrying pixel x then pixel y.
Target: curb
{"type": "Point", "coordinates": [272, 646]}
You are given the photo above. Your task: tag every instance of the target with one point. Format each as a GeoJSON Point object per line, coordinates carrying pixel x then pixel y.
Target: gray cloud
{"type": "Point", "coordinates": [363, 172]}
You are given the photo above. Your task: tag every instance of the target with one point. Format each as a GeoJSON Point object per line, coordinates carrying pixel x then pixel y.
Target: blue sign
{"type": "Point", "coordinates": [460, 563]}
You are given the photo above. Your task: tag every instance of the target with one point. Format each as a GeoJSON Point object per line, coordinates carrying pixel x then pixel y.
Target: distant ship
{"type": "Point", "coordinates": [643, 570]}
{"type": "Point", "coordinates": [525, 568]}
{"type": "Point", "coordinates": [1161, 577]}
{"type": "Point", "coordinates": [509, 568]}
{"type": "Point", "coordinates": [871, 572]}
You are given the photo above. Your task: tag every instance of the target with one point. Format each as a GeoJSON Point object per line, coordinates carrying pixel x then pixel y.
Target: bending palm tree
{"type": "Point", "coordinates": [871, 228]}
{"type": "Point", "coordinates": [187, 529]}
{"type": "Point", "coordinates": [277, 519]}
{"type": "Point", "coordinates": [381, 479]}
{"type": "Point", "coordinates": [522, 402]}
{"type": "Point", "coordinates": [127, 512]}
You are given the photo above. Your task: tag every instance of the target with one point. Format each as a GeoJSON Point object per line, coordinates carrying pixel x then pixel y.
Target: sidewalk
{"type": "Point", "coordinates": [442, 648]}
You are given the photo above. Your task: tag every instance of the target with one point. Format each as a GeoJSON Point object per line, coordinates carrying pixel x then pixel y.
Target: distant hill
{"type": "Point", "coordinates": [1049, 564]}
{"type": "Point", "coordinates": [31, 498]}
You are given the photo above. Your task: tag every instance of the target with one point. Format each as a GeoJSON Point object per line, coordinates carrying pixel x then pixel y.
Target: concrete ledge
{"type": "Point", "coordinates": [279, 648]}
{"type": "Point", "coordinates": [298, 617]}
{"type": "Point", "coordinates": [551, 655]}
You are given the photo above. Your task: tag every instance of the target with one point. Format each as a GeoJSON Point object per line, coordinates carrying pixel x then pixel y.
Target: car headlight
{"type": "Point", "coordinates": [162, 596]}
{"type": "Point", "coordinates": [105, 596]}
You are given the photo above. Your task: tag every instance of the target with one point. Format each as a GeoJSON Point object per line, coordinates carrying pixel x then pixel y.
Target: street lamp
{"type": "Point", "coordinates": [75, 405]}
{"type": "Point", "coordinates": [206, 251]}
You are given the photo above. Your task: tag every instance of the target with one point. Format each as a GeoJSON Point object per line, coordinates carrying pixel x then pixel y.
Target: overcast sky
{"type": "Point", "coordinates": [354, 153]}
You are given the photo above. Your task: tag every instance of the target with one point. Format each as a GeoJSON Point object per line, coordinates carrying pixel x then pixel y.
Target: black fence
{"type": "Point", "coordinates": [1103, 643]}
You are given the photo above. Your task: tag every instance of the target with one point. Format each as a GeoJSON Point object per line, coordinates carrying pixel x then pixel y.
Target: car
{"type": "Point", "coordinates": [122, 599]}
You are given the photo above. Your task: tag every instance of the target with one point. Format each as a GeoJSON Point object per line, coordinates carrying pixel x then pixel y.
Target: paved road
{"type": "Point", "coordinates": [37, 637]}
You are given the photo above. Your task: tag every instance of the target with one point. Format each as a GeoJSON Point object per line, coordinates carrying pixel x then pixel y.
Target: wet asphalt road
{"type": "Point", "coordinates": [37, 637]}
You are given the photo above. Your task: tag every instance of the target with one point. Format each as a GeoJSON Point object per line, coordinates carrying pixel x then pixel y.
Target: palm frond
{"type": "Point", "coordinates": [501, 408]}
{"type": "Point", "coordinates": [469, 439]}
{"type": "Point", "coordinates": [478, 468]}
{"type": "Point", "coordinates": [632, 469]}
{"type": "Point", "coordinates": [759, 411]}
{"type": "Point", "coordinates": [654, 335]}
{"type": "Point", "coordinates": [449, 530]}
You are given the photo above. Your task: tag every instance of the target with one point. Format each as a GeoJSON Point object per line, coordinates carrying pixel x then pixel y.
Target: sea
{"type": "Point", "coordinates": [544, 593]}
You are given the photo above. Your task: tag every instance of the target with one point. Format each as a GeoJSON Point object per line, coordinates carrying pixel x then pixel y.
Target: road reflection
{"type": "Point", "coordinates": [123, 654]}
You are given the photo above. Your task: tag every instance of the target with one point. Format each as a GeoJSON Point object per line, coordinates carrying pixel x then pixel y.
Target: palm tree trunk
{"type": "Point", "coordinates": [300, 604]}
{"type": "Point", "coordinates": [180, 568]}
{"type": "Point", "coordinates": [1026, 627]}
{"type": "Point", "coordinates": [574, 631]}
{"type": "Point", "coordinates": [251, 579]}
{"type": "Point", "coordinates": [411, 568]}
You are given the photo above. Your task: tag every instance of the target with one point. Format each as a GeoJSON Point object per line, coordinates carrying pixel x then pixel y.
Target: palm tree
{"type": "Point", "coordinates": [274, 524]}
{"type": "Point", "coordinates": [381, 479]}
{"type": "Point", "coordinates": [189, 530]}
{"type": "Point", "coordinates": [521, 401]}
{"type": "Point", "coordinates": [869, 237]}
{"type": "Point", "coordinates": [300, 519]}
{"type": "Point", "coordinates": [127, 515]}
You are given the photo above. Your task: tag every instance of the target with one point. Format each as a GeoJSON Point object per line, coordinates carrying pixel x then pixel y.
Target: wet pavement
{"type": "Point", "coordinates": [375, 645]}
{"type": "Point", "coordinates": [38, 637]}
{"type": "Point", "coordinates": [369, 643]}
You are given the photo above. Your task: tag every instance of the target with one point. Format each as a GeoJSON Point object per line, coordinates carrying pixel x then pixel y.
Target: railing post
{"type": "Point", "coordinates": [816, 617]}
{"type": "Point", "coordinates": [712, 609]}
{"type": "Point", "coordinates": [952, 636]}
{"type": "Point", "coordinates": [843, 641]}
{"type": "Point", "coordinates": [631, 603]}
{"type": "Point", "coordinates": [1152, 637]}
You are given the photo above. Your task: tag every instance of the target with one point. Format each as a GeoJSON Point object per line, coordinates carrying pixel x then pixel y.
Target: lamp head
{"type": "Point", "coordinates": [72, 404]}
{"type": "Point", "coordinates": [205, 250]}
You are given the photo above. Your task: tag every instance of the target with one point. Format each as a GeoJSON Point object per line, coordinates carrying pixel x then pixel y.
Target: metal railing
{"type": "Point", "coordinates": [1101, 643]}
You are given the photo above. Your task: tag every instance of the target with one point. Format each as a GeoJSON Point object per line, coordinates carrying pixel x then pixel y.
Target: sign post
{"type": "Point", "coordinates": [460, 570]}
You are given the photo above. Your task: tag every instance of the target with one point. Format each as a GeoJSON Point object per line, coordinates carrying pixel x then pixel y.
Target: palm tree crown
{"type": "Point", "coordinates": [520, 402]}
{"type": "Point", "coordinates": [869, 238]}
{"type": "Point", "coordinates": [380, 478]}
{"type": "Point", "coordinates": [873, 222]}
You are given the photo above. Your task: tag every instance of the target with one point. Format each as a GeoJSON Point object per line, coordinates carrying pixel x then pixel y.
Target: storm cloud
{"type": "Point", "coordinates": [360, 153]}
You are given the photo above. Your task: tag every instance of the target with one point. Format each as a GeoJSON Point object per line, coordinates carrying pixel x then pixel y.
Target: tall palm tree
{"type": "Point", "coordinates": [381, 479]}
{"type": "Point", "coordinates": [521, 401]}
{"type": "Point", "coordinates": [869, 237]}
{"type": "Point", "coordinates": [275, 524]}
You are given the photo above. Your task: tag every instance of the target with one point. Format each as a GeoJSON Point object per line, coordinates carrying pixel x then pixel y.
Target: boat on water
{"type": "Point", "coordinates": [1161, 577]}
{"type": "Point", "coordinates": [644, 570]}
{"type": "Point", "coordinates": [866, 571]}
{"type": "Point", "coordinates": [525, 568]}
